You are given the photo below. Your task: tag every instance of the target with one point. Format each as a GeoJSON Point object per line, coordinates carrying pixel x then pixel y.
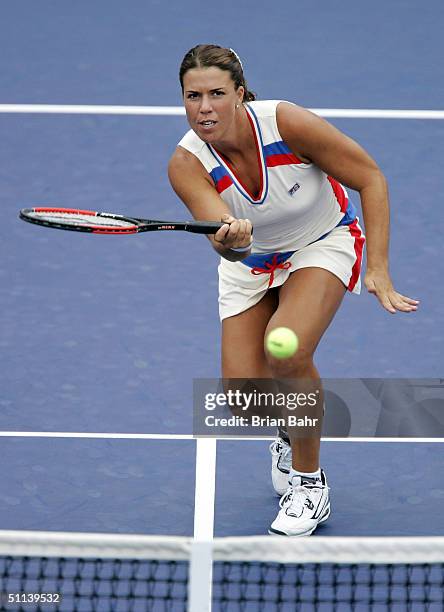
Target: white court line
{"type": "Point", "coordinates": [97, 109]}
{"type": "Point", "coordinates": [205, 489]}
{"type": "Point", "coordinates": [201, 565]}
{"type": "Point", "coordinates": [91, 109]}
{"type": "Point", "coordinates": [92, 434]}
{"type": "Point", "coordinates": [154, 436]}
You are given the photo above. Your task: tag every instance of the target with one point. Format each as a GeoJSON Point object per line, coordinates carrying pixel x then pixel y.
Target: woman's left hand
{"type": "Point", "coordinates": [380, 284]}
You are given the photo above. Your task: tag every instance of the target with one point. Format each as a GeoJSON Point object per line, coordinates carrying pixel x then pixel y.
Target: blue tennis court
{"type": "Point", "coordinates": [102, 337]}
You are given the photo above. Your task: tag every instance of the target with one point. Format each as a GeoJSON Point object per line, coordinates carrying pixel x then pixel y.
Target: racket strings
{"type": "Point", "coordinates": [80, 219]}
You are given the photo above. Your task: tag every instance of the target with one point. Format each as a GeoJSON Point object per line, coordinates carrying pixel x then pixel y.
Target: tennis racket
{"type": "Point", "coordinates": [109, 223]}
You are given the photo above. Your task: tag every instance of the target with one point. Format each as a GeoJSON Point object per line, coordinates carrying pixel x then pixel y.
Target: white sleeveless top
{"type": "Point", "coordinates": [297, 204]}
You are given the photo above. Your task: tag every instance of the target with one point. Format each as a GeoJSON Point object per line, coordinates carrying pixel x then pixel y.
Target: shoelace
{"type": "Point", "coordinates": [270, 268]}
{"type": "Point", "coordinates": [300, 495]}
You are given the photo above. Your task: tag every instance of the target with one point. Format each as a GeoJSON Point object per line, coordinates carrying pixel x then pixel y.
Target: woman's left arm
{"type": "Point", "coordinates": [313, 139]}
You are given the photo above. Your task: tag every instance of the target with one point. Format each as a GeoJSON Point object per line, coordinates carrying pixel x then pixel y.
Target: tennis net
{"type": "Point", "coordinates": [68, 572]}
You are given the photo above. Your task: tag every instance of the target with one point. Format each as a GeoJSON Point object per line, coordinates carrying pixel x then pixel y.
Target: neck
{"type": "Point", "coordinates": [238, 139]}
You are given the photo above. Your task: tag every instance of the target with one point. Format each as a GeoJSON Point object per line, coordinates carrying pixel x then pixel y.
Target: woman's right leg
{"type": "Point", "coordinates": [243, 354]}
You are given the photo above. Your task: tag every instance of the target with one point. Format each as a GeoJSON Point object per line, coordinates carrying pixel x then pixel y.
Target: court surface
{"type": "Point", "coordinates": [104, 335]}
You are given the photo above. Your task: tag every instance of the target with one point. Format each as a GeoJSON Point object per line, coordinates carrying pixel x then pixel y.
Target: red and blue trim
{"type": "Point", "coordinates": [343, 201]}
{"type": "Point", "coordinates": [359, 239]}
{"type": "Point", "coordinates": [221, 178]}
{"type": "Point", "coordinates": [261, 259]}
{"type": "Point", "coordinates": [340, 193]}
{"type": "Point", "coordinates": [350, 214]}
{"type": "Point", "coordinates": [279, 154]}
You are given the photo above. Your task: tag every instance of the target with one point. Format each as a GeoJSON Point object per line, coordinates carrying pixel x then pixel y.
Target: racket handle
{"type": "Point", "coordinates": [203, 227]}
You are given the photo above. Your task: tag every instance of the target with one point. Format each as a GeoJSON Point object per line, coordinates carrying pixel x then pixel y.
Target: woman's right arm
{"type": "Point", "coordinates": [194, 187]}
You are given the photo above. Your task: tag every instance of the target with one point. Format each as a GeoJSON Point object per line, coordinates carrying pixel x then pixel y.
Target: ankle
{"type": "Point", "coordinates": [315, 474]}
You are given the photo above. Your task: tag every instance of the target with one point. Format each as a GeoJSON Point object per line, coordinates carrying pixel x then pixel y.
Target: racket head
{"type": "Point", "coordinates": [79, 220]}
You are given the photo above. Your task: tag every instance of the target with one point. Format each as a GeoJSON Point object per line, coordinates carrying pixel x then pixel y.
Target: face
{"type": "Point", "coordinates": [210, 101]}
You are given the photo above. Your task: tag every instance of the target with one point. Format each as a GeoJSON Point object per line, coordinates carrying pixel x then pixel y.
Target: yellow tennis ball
{"type": "Point", "coordinates": [282, 342]}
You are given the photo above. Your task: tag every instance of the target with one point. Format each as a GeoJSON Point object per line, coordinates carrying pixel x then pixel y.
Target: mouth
{"type": "Point", "coordinates": [207, 124]}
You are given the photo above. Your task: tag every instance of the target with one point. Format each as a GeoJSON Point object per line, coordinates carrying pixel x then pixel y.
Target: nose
{"type": "Point", "coordinates": [205, 105]}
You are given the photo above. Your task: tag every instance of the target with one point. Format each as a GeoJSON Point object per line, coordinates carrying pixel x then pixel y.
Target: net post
{"type": "Point", "coordinates": [201, 565]}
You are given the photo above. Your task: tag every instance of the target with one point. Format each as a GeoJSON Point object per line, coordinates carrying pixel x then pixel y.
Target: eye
{"type": "Point", "coordinates": [191, 96]}
{"type": "Point", "coordinates": [219, 93]}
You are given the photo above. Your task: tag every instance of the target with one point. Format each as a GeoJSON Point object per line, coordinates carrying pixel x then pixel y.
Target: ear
{"type": "Point", "coordinates": [240, 93]}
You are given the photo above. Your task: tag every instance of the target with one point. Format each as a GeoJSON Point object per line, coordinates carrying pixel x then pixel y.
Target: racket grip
{"type": "Point", "coordinates": [203, 227]}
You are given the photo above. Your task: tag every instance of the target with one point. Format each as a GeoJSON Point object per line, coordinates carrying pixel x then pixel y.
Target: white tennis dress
{"type": "Point", "coordinates": [301, 218]}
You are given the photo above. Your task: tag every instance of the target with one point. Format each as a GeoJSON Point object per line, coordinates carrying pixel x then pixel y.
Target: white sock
{"type": "Point", "coordinates": [316, 475]}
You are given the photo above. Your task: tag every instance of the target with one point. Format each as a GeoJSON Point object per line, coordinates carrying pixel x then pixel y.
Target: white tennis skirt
{"type": "Point", "coordinates": [242, 284]}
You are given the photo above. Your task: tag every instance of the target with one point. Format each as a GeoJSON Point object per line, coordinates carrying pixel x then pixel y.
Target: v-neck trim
{"type": "Point", "coordinates": [263, 174]}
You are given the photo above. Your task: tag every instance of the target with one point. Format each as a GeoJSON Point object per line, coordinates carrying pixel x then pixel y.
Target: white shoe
{"type": "Point", "coordinates": [305, 504]}
{"type": "Point", "coordinates": [280, 465]}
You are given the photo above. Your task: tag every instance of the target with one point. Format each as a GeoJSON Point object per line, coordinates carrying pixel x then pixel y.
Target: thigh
{"type": "Point", "coordinates": [308, 301]}
{"type": "Point", "coordinates": [243, 354]}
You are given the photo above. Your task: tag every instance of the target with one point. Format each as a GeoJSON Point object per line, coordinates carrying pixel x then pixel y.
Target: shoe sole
{"type": "Point", "coordinates": [272, 531]}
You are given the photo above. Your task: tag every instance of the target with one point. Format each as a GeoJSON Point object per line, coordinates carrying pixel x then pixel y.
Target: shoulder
{"type": "Point", "coordinates": [292, 119]}
{"type": "Point", "coordinates": [288, 118]}
{"type": "Point", "coordinates": [183, 160]}
{"type": "Point", "coordinates": [185, 164]}
{"type": "Point", "coordinates": [191, 142]}
{"type": "Point", "coordinates": [282, 108]}
{"type": "Point", "coordinates": [300, 128]}
{"type": "Point", "coordinates": [288, 111]}
{"type": "Point", "coordinates": [264, 108]}
{"type": "Point", "coordinates": [188, 152]}
{"type": "Point", "coordinates": [193, 157]}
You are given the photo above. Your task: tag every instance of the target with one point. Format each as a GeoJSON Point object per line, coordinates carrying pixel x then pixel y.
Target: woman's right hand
{"type": "Point", "coordinates": [235, 233]}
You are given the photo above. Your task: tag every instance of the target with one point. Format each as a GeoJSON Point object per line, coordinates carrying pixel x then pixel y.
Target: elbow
{"type": "Point", "coordinates": [380, 177]}
{"type": "Point", "coordinates": [375, 180]}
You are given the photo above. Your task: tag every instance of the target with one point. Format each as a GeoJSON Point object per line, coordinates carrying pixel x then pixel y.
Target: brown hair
{"type": "Point", "coordinates": [206, 56]}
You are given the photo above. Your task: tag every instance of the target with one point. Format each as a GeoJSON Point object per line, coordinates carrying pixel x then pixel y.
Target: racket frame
{"type": "Point", "coordinates": [136, 225]}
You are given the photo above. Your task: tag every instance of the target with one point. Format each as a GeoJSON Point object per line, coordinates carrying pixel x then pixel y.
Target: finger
{"type": "Point", "coordinates": [386, 303]}
{"type": "Point", "coordinates": [241, 238]}
{"type": "Point", "coordinates": [221, 234]}
{"type": "Point", "coordinates": [409, 300]}
{"type": "Point", "coordinates": [232, 233]}
{"type": "Point", "coordinates": [245, 231]}
{"type": "Point", "coordinates": [398, 301]}
{"type": "Point", "coordinates": [227, 218]}
{"type": "Point", "coordinates": [401, 304]}
{"type": "Point", "coordinates": [402, 307]}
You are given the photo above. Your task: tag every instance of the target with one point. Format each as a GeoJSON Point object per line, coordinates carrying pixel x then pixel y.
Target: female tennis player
{"type": "Point", "coordinates": [283, 170]}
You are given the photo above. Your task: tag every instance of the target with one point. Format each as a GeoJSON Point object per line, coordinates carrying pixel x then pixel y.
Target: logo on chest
{"type": "Point", "coordinates": [293, 190]}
